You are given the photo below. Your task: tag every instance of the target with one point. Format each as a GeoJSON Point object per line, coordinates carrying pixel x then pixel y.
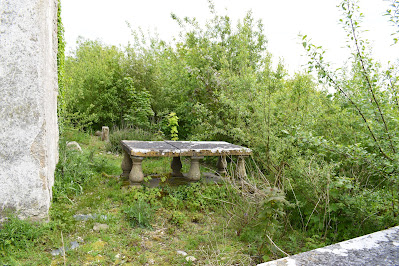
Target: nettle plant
{"type": "Point", "coordinates": [173, 123]}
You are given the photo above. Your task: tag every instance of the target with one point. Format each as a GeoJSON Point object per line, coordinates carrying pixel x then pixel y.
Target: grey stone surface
{"type": "Point", "coordinates": [379, 248]}
{"type": "Point", "coordinates": [183, 253]}
{"type": "Point", "coordinates": [136, 175]}
{"type": "Point", "coordinates": [208, 148]}
{"type": "Point", "coordinates": [149, 148]}
{"type": "Point", "coordinates": [194, 174]}
{"type": "Point", "coordinates": [60, 251]}
{"type": "Point", "coordinates": [85, 217]}
{"type": "Point", "coordinates": [28, 106]}
{"type": "Point", "coordinates": [182, 148]}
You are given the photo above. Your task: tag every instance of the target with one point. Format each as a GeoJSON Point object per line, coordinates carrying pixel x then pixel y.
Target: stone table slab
{"type": "Point", "coordinates": [182, 148]}
{"type": "Point", "coordinates": [149, 148]}
{"type": "Point", "coordinates": [209, 148]}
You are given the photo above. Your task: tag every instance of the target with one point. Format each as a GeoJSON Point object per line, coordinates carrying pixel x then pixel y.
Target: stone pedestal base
{"type": "Point", "coordinates": [194, 174]}
{"type": "Point", "coordinates": [240, 171]}
{"type": "Point", "coordinates": [222, 165]}
{"type": "Point", "coordinates": [136, 175]}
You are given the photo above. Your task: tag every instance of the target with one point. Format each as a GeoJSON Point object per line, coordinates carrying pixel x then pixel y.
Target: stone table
{"type": "Point", "coordinates": [136, 151]}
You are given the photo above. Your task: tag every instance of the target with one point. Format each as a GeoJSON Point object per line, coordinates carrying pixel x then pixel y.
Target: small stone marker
{"type": "Point", "coordinates": [191, 258]}
{"type": "Point", "coordinates": [181, 252]}
{"type": "Point", "coordinates": [100, 227]}
{"type": "Point", "coordinates": [105, 133]}
{"type": "Point", "coordinates": [74, 145]}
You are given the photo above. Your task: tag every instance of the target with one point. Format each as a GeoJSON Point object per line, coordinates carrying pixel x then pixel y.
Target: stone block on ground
{"type": "Point", "coordinates": [28, 106]}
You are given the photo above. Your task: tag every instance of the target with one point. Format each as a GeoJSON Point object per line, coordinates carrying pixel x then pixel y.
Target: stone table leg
{"type": "Point", "coordinates": [176, 167]}
{"type": "Point", "coordinates": [194, 174]}
{"type": "Point", "coordinates": [136, 175]}
{"type": "Point", "coordinates": [126, 165]}
{"type": "Point", "coordinates": [222, 165]}
{"type": "Point", "coordinates": [240, 171]}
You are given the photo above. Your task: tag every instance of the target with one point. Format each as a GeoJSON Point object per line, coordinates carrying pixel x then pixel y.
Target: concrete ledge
{"type": "Point", "coordinates": [379, 248]}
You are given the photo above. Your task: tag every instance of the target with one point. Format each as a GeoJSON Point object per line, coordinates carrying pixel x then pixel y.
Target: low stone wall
{"type": "Point", "coordinates": [380, 248]}
{"type": "Point", "coordinates": [28, 106]}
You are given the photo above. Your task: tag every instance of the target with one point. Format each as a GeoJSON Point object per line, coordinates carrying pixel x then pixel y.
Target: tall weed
{"type": "Point", "coordinates": [139, 213]}
{"type": "Point", "coordinates": [72, 172]}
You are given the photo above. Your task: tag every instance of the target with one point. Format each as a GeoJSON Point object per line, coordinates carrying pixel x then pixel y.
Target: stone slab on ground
{"type": "Point", "coordinates": [379, 248]}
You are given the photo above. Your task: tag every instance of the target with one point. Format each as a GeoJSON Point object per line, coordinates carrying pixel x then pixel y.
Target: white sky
{"type": "Point", "coordinates": [283, 20]}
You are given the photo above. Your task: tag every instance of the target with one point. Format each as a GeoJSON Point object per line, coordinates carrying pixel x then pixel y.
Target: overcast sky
{"type": "Point", "coordinates": [283, 21]}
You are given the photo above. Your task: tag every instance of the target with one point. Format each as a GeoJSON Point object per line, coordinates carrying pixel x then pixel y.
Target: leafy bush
{"type": "Point", "coordinates": [139, 213]}
{"type": "Point", "coordinates": [194, 197]}
{"type": "Point", "coordinates": [72, 172]}
{"type": "Point", "coordinates": [77, 169]}
{"type": "Point", "coordinates": [178, 218]}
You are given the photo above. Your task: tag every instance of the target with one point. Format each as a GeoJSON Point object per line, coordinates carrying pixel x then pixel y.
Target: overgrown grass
{"type": "Point", "coordinates": [145, 225]}
{"type": "Point", "coordinates": [237, 222]}
{"type": "Point", "coordinates": [16, 234]}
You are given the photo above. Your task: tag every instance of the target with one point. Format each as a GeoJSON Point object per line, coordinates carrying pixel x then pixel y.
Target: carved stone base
{"type": "Point", "coordinates": [136, 175]}
{"type": "Point", "coordinates": [222, 165]}
{"type": "Point", "coordinates": [194, 174]}
{"type": "Point", "coordinates": [240, 171]}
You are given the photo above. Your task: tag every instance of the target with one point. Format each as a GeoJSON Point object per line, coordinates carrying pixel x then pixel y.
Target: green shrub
{"type": "Point", "coordinates": [194, 197]}
{"type": "Point", "coordinates": [72, 172]}
{"type": "Point", "coordinates": [178, 218]}
{"type": "Point", "coordinates": [77, 169]}
{"type": "Point", "coordinates": [139, 214]}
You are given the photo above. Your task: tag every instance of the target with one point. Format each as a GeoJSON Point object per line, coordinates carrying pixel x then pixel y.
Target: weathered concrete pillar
{"type": "Point", "coordinates": [222, 165]}
{"type": "Point", "coordinates": [126, 164]}
{"type": "Point", "coordinates": [194, 173]}
{"type": "Point", "coordinates": [105, 134]}
{"type": "Point", "coordinates": [240, 171]}
{"type": "Point", "coordinates": [28, 106]}
{"type": "Point", "coordinates": [176, 167]}
{"type": "Point", "coordinates": [136, 175]}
